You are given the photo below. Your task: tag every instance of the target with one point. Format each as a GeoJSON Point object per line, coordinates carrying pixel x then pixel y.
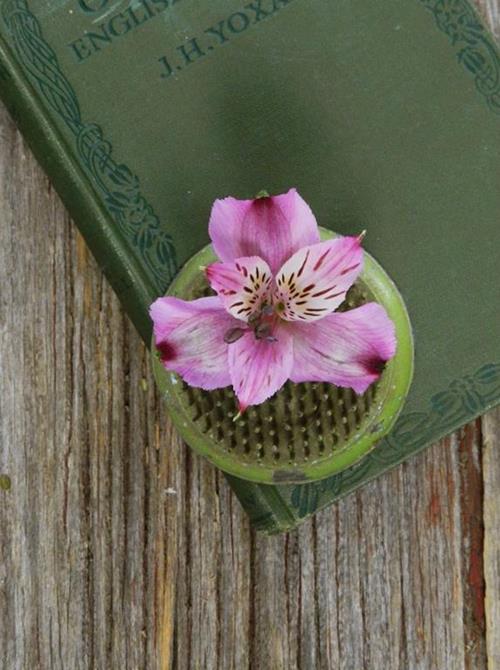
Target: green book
{"type": "Point", "coordinates": [383, 113]}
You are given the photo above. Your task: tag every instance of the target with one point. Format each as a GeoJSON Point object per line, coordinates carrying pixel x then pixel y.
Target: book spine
{"type": "Point", "coordinates": [264, 504]}
{"type": "Point", "coordinates": [121, 269]}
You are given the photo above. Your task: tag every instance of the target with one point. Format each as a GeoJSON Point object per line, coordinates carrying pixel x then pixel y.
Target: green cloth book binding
{"type": "Point", "coordinates": [383, 113]}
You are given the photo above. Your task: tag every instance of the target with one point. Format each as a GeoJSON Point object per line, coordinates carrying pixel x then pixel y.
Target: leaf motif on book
{"type": "Point", "coordinates": [457, 20]}
{"type": "Point", "coordinates": [477, 53]}
{"type": "Point", "coordinates": [306, 497]}
{"type": "Point", "coordinates": [119, 187]}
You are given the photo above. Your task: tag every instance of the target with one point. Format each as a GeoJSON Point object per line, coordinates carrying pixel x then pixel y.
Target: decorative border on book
{"type": "Point", "coordinates": [466, 397]}
{"type": "Point", "coordinates": [475, 49]}
{"type": "Point", "coordinates": [119, 186]}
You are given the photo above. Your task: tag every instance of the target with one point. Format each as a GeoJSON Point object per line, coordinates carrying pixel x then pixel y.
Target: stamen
{"type": "Point", "coordinates": [262, 331]}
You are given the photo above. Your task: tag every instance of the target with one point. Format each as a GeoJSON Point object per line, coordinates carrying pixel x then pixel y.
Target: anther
{"type": "Point", "coordinates": [233, 335]}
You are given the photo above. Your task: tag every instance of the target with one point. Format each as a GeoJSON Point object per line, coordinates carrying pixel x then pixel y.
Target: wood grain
{"type": "Point", "coordinates": [491, 468]}
{"type": "Point", "coordinates": [120, 549]}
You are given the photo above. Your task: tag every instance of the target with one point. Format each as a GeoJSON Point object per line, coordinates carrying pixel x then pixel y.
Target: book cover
{"type": "Point", "coordinates": [382, 113]}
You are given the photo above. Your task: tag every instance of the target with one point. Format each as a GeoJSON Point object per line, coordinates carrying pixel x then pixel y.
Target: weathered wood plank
{"type": "Point", "coordinates": [491, 469]}
{"type": "Point", "coordinates": [121, 549]}
{"type": "Point", "coordinates": [88, 529]}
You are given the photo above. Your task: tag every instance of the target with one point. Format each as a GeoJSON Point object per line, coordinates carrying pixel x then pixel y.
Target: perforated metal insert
{"type": "Point", "coordinates": [302, 424]}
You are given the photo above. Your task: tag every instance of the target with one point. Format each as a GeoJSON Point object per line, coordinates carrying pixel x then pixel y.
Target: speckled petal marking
{"type": "Point", "coordinates": [314, 281]}
{"type": "Point", "coordinates": [244, 286]}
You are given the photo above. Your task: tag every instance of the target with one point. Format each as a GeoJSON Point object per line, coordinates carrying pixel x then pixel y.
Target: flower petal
{"type": "Point", "coordinates": [314, 281]}
{"type": "Point", "coordinates": [345, 348]}
{"type": "Point", "coordinates": [273, 227]}
{"type": "Point", "coordinates": [167, 313]}
{"type": "Point", "coordinates": [243, 285]}
{"type": "Point", "coordinates": [190, 339]}
{"type": "Point", "coordinates": [259, 368]}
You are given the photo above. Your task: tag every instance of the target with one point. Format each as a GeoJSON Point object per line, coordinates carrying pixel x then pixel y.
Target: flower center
{"type": "Point", "coordinates": [262, 323]}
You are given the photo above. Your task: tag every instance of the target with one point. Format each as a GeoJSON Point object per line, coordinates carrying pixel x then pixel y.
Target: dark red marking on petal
{"type": "Point", "coordinates": [352, 267]}
{"type": "Point", "coordinates": [334, 295]}
{"type": "Point", "coordinates": [236, 304]}
{"type": "Point", "coordinates": [308, 288]}
{"type": "Point", "coordinates": [244, 270]}
{"type": "Point", "coordinates": [302, 302]}
{"type": "Point", "coordinates": [167, 351]}
{"type": "Point", "coordinates": [325, 290]}
{"type": "Point", "coordinates": [243, 310]}
{"type": "Point", "coordinates": [320, 260]}
{"type": "Point", "coordinates": [301, 270]}
{"type": "Point", "coordinates": [374, 366]}
{"type": "Point", "coordinates": [247, 289]}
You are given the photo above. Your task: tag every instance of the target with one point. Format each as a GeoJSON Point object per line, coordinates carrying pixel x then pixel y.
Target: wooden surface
{"type": "Point", "coordinates": [119, 549]}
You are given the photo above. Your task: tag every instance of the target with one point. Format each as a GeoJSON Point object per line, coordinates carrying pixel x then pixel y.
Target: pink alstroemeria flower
{"type": "Point", "coordinates": [274, 317]}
